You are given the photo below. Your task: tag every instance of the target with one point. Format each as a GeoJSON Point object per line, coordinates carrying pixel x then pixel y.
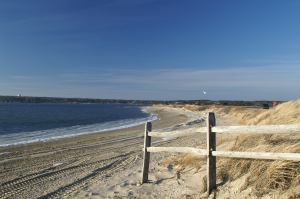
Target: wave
{"type": "Point", "coordinates": [58, 133]}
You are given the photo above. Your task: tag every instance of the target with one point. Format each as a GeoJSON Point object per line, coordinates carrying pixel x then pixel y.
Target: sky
{"type": "Point", "coordinates": [151, 49]}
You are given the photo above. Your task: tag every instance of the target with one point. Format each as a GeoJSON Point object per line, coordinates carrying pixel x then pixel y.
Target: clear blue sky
{"type": "Point", "coordinates": [147, 49]}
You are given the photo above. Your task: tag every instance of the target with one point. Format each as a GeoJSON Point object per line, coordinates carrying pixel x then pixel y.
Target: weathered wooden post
{"type": "Point", "coordinates": [147, 143]}
{"type": "Point", "coordinates": [211, 160]}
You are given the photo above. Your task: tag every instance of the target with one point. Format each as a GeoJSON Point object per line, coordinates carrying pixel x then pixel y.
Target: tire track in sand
{"type": "Point", "coordinates": [76, 157]}
{"type": "Point", "coordinates": [92, 178]}
{"type": "Point", "coordinates": [16, 187]}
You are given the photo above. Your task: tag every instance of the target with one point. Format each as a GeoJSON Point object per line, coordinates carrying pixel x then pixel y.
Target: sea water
{"type": "Point", "coordinates": [27, 123]}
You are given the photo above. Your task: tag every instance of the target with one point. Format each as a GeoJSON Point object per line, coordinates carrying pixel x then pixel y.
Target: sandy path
{"type": "Point", "coordinates": [101, 165]}
{"type": "Point", "coordinates": [163, 182]}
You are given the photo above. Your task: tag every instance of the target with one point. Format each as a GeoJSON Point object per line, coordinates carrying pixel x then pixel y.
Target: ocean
{"type": "Point", "coordinates": [22, 123]}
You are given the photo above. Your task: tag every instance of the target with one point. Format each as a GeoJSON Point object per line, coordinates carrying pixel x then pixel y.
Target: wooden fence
{"type": "Point", "coordinates": [211, 129]}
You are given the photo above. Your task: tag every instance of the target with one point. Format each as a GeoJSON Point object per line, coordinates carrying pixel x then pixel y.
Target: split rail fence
{"type": "Point", "coordinates": [211, 129]}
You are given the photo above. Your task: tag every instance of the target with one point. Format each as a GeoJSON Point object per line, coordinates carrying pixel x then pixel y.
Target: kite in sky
{"type": "Point", "coordinates": [204, 92]}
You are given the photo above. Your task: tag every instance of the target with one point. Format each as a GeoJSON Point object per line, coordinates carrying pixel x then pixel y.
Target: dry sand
{"type": "Point", "coordinates": [104, 165]}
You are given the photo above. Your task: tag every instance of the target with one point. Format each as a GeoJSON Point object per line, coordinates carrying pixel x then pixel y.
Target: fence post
{"type": "Point", "coordinates": [147, 143]}
{"type": "Point", "coordinates": [211, 160]}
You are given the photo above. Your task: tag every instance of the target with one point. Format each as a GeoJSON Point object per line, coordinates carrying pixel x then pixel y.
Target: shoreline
{"type": "Point", "coordinates": [69, 167]}
{"type": "Point", "coordinates": [137, 130]}
{"type": "Point", "coordinates": [105, 126]}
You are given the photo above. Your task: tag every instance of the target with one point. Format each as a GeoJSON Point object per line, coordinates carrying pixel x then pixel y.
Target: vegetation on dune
{"type": "Point", "coordinates": [262, 176]}
{"type": "Point", "coordinates": [283, 114]}
{"type": "Point", "coordinates": [266, 175]}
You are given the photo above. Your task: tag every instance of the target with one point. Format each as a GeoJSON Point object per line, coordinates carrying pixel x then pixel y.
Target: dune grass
{"type": "Point", "coordinates": [263, 176]}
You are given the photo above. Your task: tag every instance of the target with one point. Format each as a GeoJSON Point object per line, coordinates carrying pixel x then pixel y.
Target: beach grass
{"type": "Point", "coordinates": [261, 176]}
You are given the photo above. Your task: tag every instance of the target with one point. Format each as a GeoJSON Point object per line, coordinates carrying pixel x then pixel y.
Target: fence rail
{"type": "Point", "coordinates": [211, 152]}
{"type": "Point", "coordinates": [178, 133]}
{"type": "Point", "coordinates": [258, 155]}
{"type": "Point", "coordinates": [178, 149]}
{"type": "Point", "coordinates": [260, 129]}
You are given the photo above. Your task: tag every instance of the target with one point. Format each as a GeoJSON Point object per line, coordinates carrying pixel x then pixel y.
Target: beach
{"type": "Point", "coordinates": [106, 164]}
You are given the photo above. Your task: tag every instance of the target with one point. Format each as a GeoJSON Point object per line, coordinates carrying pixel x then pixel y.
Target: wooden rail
{"type": "Point", "coordinates": [211, 152]}
{"type": "Point", "coordinates": [185, 132]}
{"type": "Point", "coordinates": [258, 155]}
{"type": "Point", "coordinates": [177, 149]}
{"type": "Point", "coordinates": [260, 129]}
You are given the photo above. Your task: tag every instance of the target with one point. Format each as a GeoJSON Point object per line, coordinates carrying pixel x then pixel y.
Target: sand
{"type": "Point", "coordinates": [106, 164]}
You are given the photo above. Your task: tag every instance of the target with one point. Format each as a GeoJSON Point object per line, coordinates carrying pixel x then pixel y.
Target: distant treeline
{"type": "Point", "coordinates": [26, 99]}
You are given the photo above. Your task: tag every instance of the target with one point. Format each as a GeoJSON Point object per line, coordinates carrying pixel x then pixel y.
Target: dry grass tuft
{"type": "Point", "coordinates": [225, 139]}
{"type": "Point", "coordinates": [185, 161]}
{"type": "Point", "coordinates": [267, 175]}
{"type": "Point", "coordinates": [231, 110]}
